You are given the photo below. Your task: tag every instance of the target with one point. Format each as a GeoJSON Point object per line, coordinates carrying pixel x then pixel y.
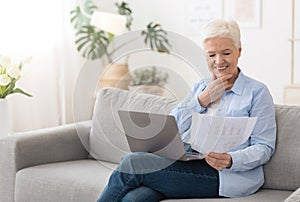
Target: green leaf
{"type": "Point", "coordinates": [9, 88]}
{"type": "Point", "coordinates": [89, 7]}
{"type": "Point", "coordinates": [123, 9]}
{"type": "Point", "coordinates": [20, 66]}
{"type": "Point", "coordinates": [156, 37]}
{"type": "Point", "coordinates": [91, 43]}
{"type": "Point", "coordinates": [18, 90]}
{"type": "Point", "coordinates": [79, 18]}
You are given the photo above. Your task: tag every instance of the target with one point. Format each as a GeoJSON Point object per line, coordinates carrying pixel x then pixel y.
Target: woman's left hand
{"type": "Point", "coordinates": [218, 161]}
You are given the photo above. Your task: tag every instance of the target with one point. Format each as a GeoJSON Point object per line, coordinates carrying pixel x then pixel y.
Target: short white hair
{"type": "Point", "coordinates": [222, 28]}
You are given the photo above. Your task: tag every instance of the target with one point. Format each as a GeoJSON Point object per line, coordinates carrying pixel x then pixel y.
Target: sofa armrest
{"type": "Point", "coordinates": [49, 145]}
{"type": "Point", "coordinates": [294, 197]}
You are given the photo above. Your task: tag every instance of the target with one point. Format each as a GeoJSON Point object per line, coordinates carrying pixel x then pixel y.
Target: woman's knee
{"type": "Point", "coordinates": [142, 163]}
{"type": "Point", "coordinates": [130, 162]}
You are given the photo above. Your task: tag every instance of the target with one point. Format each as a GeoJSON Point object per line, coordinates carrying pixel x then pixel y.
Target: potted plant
{"type": "Point", "coordinates": [149, 80]}
{"type": "Point", "coordinates": [10, 73]}
{"type": "Point", "coordinates": [93, 42]}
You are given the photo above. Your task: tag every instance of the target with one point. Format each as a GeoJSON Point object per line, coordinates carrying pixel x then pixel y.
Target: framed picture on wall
{"type": "Point", "coordinates": [246, 12]}
{"type": "Point", "coordinates": [199, 12]}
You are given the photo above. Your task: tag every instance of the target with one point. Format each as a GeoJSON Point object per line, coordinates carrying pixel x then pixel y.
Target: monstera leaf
{"type": "Point", "coordinates": [81, 17]}
{"type": "Point", "coordinates": [92, 43]}
{"type": "Point", "coordinates": [123, 9]}
{"type": "Point", "coordinates": [157, 37]}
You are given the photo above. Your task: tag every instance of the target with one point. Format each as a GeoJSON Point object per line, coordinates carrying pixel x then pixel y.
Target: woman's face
{"type": "Point", "coordinates": [222, 56]}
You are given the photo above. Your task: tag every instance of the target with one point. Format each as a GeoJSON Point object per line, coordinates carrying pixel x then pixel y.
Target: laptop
{"type": "Point", "coordinates": [155, 133]}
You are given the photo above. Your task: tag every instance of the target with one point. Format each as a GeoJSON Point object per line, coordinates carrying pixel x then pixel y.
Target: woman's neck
{"type": "Point", "coordinates": [233, 79]}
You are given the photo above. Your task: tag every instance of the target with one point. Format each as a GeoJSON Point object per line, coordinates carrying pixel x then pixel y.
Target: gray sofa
{"type": "Point", "coordinates": [72, 163]}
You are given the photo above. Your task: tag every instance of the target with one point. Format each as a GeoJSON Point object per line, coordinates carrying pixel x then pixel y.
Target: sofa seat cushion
{"type": "Point", "coordinates": [71, 181]}
{"type": "Point", "coordinates": [263, 195]}
{"type": "Point", "coordinates": [84, 180]}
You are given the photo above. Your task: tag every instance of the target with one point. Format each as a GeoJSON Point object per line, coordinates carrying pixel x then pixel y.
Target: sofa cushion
{"type": "Point", "coordinates": [107, 139]}
{"type": "Point", "coordinates": [263, 195]}
{"type": "Point", "coordinates": [283, 170]}
{"type": "Point", "coordinates": [70, 181]}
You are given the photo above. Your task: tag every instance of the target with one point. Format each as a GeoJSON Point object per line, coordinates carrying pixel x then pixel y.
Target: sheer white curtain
{"type": "Point", "coordinates": [40, 29]}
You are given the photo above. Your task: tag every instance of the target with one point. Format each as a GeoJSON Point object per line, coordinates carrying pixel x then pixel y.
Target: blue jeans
{"type": "Point", "coordinates": [148, 177]}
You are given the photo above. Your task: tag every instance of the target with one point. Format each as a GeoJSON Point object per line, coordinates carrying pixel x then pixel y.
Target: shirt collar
{"type": "Point", "coordinates": [238, 85]}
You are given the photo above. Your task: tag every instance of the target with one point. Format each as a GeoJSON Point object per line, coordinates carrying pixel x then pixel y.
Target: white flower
{"type": "Point", "coordinates": [13, 71]}
{"type": "Point", "coordinates": [4, 61]}
{"type": "Point", "coordinates": [26, 60]}
{"type": "Point", "coordinates": [4, 80]}
{"type": "Point", "coordinates": [10, 73]}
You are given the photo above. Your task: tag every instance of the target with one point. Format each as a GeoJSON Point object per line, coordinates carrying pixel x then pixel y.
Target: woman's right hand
{"type": "Point", "coordinates": [215, 89]}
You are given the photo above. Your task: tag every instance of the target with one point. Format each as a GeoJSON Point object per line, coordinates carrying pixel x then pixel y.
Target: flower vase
{"type": "Point", "coordinates": [4, 118]}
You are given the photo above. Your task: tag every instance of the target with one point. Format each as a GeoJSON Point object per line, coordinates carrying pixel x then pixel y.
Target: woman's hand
{"type": "Point", "coordinates": [214, 89]}
{"type": "Point", "coordinates": [218, 161]}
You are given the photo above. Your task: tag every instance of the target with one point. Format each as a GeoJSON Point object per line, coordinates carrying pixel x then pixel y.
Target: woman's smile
{"type": "Point", "coordinates": [221, 68]}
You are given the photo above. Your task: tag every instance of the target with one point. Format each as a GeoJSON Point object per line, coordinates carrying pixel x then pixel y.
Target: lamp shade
{"type": "Point", "coordinates": [109, 22]}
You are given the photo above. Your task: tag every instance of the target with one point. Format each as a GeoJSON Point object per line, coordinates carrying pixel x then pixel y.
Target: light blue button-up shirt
{"type": "Point", "coordinates": [247, 97]}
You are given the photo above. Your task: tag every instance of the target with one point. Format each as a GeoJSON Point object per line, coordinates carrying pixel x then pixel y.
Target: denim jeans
{"type": "Point", "coordinates": [147, 177]}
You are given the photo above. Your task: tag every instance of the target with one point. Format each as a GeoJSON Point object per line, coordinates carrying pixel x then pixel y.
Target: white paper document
{"type": "Point", "coordinates": [219, 134]}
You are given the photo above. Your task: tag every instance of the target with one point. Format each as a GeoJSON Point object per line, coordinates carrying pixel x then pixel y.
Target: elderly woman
{"type": "Point", "coordinates": [229, 92]}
